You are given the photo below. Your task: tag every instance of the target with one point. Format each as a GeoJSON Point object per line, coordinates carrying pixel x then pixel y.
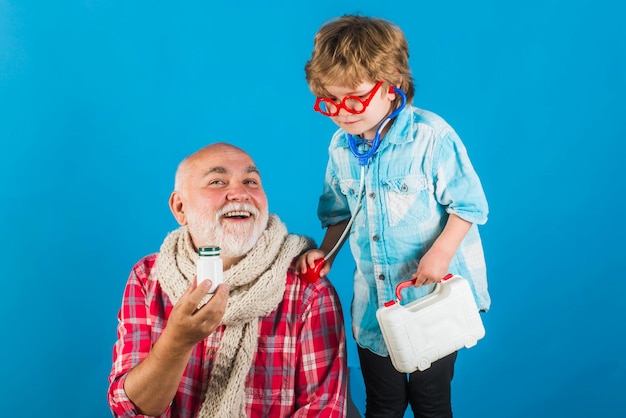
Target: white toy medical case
{"type": "Point", "coordinates": [431, 327]}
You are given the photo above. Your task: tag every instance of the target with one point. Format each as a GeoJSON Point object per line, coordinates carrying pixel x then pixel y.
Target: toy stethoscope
{"type": "Point", "coordinates": [363, 158]}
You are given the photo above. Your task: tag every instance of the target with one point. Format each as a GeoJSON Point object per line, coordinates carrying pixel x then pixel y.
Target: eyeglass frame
{"type": "Point", "coordinates": [342, 104]}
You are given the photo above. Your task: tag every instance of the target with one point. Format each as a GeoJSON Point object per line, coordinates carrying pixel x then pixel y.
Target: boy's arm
{"type": "Point", "coordinates": [333, 233]}
{"type": "Point", "coordinates": [435, 263]}
{"type": "Point", "coordinates": [308, 259]}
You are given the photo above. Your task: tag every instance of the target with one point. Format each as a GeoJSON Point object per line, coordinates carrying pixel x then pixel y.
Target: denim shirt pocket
{"type": "Point", "coordinates": [351, 188]}
{"type": "Point", "coordinates": [407, 199]}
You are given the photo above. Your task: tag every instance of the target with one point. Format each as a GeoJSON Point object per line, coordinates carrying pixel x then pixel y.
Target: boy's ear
{"type": "Point", "coordinates": [392, 87]}
{"type": "Point", "coordinates": [178, 208]}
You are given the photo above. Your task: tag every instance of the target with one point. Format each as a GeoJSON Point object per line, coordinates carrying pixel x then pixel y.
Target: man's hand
{"type": "Point", "coordinates": [187, 325]}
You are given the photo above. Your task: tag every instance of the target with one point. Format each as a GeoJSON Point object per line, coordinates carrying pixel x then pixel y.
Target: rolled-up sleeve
{"type": "Point", "coordinates": [133, 342]}
{"type": "Point", "coordinates": [457, 185]}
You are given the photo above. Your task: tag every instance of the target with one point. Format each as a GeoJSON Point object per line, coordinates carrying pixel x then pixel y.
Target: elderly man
{"type": "Point", "coordinates": [265, 344]}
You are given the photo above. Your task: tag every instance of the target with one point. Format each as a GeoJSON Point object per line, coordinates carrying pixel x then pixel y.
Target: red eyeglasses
{"type": "Point", "coordinates": [352, 104]}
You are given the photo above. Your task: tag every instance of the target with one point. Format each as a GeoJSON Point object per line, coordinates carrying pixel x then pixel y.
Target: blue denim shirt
{"type": "Point", "coordinates": [420, 174]}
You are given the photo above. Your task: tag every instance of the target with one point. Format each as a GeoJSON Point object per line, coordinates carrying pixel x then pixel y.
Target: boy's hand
{"type": "Point", "coordinates": [432, 267]}
{"type": "Point", "coordinates": [307, 261]}
{"type": "Point", "coordinates": [435, 263]}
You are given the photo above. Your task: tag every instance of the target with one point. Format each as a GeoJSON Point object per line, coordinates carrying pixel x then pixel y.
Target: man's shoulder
{"type": "Point", "coordinates": [305, 294]}
{"type": "Point", "coordinates": [144, 266]}
{"type": "Point", "coordinates": [148, 260]}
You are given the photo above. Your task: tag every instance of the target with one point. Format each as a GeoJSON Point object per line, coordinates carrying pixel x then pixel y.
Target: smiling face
{"type": "Point", "coordinates": [366, 123]}
{"type": "Point", "coordinates": [220, 198]}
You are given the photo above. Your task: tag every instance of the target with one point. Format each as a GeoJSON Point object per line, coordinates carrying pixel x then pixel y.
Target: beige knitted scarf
{"type": "Point", "coordinates": [257, 286]}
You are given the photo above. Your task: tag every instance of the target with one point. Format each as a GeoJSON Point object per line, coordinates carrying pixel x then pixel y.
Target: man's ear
{"type": "Point", "coordinates": [178, 208]}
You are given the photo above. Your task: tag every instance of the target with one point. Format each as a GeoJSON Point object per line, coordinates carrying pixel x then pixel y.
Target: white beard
{"type": "Point", "coordinates": [234, 240]}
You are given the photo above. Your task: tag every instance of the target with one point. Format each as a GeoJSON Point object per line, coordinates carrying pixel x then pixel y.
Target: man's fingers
{"type": "Point", "coordinates": [217, 304]}
{"type": "Point", "coordinates": [192, 286]}
{"type": "Point", "coordinates": [194, 294]}
{"type": "Point", "coordinates": [221, 293]}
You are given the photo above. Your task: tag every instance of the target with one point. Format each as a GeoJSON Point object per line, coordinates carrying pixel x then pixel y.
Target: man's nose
{"type": "Point", "coordinates": [238, 193]}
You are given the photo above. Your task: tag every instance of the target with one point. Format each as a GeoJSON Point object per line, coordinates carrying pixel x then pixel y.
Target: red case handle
{"type": "Point", "coordinates": [403, 285]}
{"type": "Point", "coordinates": [408, 283]}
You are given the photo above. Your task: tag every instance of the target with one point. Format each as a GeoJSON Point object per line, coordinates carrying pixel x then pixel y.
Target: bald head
{"type": "Point", "coordinates": [189, 164]}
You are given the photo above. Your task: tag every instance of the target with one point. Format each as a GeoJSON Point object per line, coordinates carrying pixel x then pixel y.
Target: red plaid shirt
{"type": "Point", "coordinates": [299, 369]}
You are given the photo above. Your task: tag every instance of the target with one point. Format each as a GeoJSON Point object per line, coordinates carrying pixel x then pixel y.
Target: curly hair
{"type": "Point", "coordinates": [352, 49]}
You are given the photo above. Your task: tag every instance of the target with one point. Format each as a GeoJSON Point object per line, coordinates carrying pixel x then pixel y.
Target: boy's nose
{"type": "Point", "coordinates": [343, 111]}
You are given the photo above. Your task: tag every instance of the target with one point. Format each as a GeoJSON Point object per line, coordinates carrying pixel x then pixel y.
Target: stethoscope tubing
{"type": "Point", "coordinates": [349, 225]}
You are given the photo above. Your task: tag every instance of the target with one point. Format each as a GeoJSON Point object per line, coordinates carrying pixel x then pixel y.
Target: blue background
{"type": "Point", "coordinates": [99, 100]}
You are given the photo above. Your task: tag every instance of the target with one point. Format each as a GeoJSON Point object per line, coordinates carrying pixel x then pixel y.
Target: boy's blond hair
{"type": "Point", "coordinates": [351, 49]}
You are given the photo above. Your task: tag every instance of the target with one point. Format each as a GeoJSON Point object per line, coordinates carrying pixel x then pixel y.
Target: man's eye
{"type": "Point", "coordinates": [216, 182]}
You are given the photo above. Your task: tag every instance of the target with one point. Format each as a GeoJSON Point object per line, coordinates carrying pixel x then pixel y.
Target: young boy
{"type": "Point", "coordinates": [419, 203]}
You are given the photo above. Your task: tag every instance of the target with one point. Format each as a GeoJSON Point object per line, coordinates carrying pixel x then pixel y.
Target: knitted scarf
{"type": "Point", "coordinates": [257, 286]}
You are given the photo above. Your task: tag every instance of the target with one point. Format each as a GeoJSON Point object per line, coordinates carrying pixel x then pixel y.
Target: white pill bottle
{"type": "Point", "coordinates": [210, 266]}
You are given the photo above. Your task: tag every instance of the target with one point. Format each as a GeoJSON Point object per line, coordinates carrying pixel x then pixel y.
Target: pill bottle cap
{"type": "Point", "coordinates": [209, 251]}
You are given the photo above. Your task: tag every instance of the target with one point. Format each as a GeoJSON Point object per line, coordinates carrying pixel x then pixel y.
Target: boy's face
{"type": "Point", "coordinates": [365, 123]}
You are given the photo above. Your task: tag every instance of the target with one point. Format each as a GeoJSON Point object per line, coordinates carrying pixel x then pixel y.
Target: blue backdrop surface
{"type": "Point", "coordinates": [99, 100]}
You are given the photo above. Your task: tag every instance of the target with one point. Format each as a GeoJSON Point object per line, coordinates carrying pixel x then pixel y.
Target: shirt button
{"type": "Point", "coordinates": [372, 195]}
{"type": "Point", "coordinates": [381, 277]}
{"type": "Point", "coordinates": [375, 238]}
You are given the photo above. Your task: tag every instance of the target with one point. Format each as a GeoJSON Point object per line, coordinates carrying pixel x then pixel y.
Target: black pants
{"type": "Point", "coordinates": [388, 391]}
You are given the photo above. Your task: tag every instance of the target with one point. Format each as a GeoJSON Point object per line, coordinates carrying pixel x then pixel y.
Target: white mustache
{"type": "Point", "coordinates": [238, 207]}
